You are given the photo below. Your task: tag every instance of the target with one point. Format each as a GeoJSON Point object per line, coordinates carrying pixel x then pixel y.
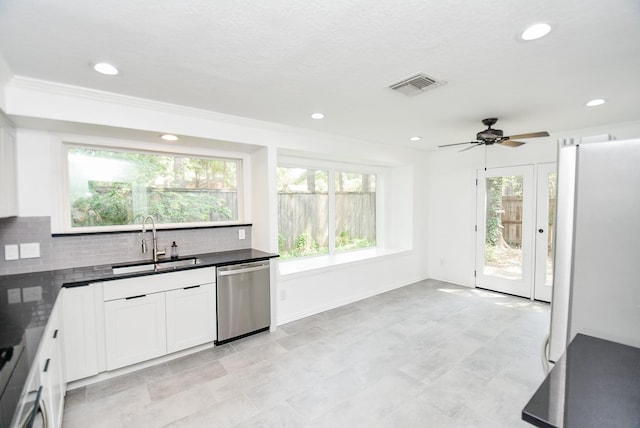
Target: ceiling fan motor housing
{"type": "Point", "coordinates": [489, 135]}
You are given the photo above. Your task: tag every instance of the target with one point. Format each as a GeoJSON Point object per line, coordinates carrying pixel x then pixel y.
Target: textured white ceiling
{"type": "Point", "coordinates": [280, 60]}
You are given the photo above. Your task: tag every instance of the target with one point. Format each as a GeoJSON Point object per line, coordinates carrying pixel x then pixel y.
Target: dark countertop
{"type": "Point", "coordinates": [27, 299]}
{"type": "Point", "coordinates": [596, 383]}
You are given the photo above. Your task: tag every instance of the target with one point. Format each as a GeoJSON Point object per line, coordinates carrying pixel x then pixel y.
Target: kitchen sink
{"type": "Point", "coordinates": [159, 266]}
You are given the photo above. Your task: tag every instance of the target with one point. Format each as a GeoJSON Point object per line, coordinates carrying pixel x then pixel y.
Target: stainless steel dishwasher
{"type": "Point", "coordinates": [243, 300]}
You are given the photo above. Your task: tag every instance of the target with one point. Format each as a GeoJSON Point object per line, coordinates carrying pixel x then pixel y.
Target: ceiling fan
{"type": "Point", "coordinates": [492, 136]}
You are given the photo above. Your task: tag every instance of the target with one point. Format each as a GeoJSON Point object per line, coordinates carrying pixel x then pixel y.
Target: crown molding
{"type": "Point", "coordinates": [62, 89]}
{"type": "Point", "coordinates": [21, 83]}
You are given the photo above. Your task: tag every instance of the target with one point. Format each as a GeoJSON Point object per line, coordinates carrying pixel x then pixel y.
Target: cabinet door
{"type": "Point", "coordinates": [51, 369]}
{"type": "Point", "coordinates": [135, 329]}
{"type": "Point", "coordinates": [190, 316]}
{"type": "Point", "coordinates": [58, 384]}
{"type": "Point", "coordinates": [79, 326]}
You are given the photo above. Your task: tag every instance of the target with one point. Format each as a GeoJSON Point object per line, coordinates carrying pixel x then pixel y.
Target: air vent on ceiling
{"type": "Point", "coordinates": [414, 85]}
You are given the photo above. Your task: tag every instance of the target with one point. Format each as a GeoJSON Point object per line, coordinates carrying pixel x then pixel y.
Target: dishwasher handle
{"type": "Point", "coordinates": [238, 269]}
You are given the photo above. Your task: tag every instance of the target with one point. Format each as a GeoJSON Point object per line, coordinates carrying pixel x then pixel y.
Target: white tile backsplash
{"type": "Point", "coordinates": [97, 249]}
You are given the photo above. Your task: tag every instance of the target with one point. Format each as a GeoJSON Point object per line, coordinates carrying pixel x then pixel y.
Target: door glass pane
{"type": "Point", "coordinates": [503, 244]}
{"type": "Point", "coordinates": [553, 180]}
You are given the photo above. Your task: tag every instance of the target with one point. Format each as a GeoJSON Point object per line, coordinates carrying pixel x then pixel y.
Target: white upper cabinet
{"type": "Point", "coordinates": [8, 171]}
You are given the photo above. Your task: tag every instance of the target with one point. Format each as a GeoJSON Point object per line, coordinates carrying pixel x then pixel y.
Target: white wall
{"type": "Point", "coordinates": [264, 208]}
{"type": "Point", "coordinates": [436, 217]}
{"type": "Point", "coordinates": [452, 195]}
{"type": "Point", "coordinates": [315, 291]}
{"type": "Point", "coordinates": [304, 294]}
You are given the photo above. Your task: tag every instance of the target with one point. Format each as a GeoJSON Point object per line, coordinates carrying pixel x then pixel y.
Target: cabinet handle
{"type": "Point", "coordinates": [46, 365]}
{"type": "Point", "coordinates": [55, 334]}
{"type": "Point", "coordinates": [135, 297]}
{"type": "Point", "coordinates": [35, 409]}
{"type": "Point", "coordinates": [189, 288]}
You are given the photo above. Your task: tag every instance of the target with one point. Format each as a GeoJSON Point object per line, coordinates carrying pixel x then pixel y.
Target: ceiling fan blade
{"type": "Point", "coordinates": [472, 147]}
{"type": "Point", "coordinates": [457, 144]}
{"type": "Point", "coordinates": [511, 143]}
{"type": "Point", "coordinates": [530, 135]}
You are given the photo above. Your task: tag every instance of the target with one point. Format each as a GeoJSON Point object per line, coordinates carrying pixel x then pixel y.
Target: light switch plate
{"type": "Point", "coordinates": [11, 252]}
{"type": "Point", "coordinates": [30, 250]}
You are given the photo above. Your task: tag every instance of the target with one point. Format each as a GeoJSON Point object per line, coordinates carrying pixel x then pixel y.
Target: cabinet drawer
{"type": "Point", "coordinates": [157, 283]}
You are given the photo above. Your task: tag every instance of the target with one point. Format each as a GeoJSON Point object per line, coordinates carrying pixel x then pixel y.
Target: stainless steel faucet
{"type": "Point", "coordinates": [156, 253]}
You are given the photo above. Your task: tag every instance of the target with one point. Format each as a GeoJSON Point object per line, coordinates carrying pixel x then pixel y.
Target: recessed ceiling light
{"type": "Point", "coordinates": [416, 138]}
{"type": "Point", "coordinates": [104, 68]}
{"type": "Point", "coordinates": [535, 31]}
{"type": "Point", "coordinates": [317, 116]}
{"type": "Point", "coordinates": [596, 102]}
{"type": "Point", "coordinates": [169, 137]}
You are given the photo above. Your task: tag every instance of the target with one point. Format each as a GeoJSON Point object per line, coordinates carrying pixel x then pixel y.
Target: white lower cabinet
{"type": "Point", "coordinates": [51, 371]}
{"type": "Point", "coordinates": [153, 315]}
{"type": "Point", "coordinates": [113, 324]}
{"type": "Point", "coordinates": [79, 323]}
{"type": "Point", "coordinates": [190, 316]}
{"type": "Point", "coordinates": [135, 329]}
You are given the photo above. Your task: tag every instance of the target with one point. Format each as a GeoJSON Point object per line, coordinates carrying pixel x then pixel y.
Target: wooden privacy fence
{"type": "Point", "coordinates": [307, 213]}
{"type": "Point", "coordinates": [511, 219]}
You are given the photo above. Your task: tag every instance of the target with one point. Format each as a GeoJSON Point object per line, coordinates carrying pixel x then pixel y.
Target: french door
{"type": "Point", "coordinates": [514, 223]}
{"type": "Point", "coordinates": [547, 181]}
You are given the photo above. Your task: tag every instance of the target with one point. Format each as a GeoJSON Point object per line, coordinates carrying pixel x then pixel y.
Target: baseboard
{"type": "Point", "coordinates": [135, 367]}
{"type": "Point", "coordinates": [322, 308]}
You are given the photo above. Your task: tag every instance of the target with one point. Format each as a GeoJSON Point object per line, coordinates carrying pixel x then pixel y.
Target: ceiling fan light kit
{"type": "Point", "coordinates": [492, 136]}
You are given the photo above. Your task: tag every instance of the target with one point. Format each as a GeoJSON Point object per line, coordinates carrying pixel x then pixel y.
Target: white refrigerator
{"type": "Point", "coordinates": [596, 283]}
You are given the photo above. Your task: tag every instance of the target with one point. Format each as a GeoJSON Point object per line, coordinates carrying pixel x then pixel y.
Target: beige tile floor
{"type": "Point", "coordinates": [430, 354]}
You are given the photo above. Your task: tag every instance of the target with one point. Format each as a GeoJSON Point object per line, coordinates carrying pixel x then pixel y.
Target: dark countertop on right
{"type": "Point", "coordinates": [596, 383]}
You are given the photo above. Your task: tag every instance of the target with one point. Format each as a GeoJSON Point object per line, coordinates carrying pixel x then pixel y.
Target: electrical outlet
{"type": "Point", "coordinates": [283, 295]}
{"type": "Point", "coordinates": [241, 234]}
{"type": "Point", "coordinates": [30, 250]}
{"type": "Point", "coordinates": [13, 296]}
{"type": "Point", "coordinates": [11, 252]}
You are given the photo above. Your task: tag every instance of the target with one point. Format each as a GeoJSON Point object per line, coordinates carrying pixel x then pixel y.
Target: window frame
{"type": "Point", "coordinates": [61, 222]}
{"type": "Point", "coordinates": [332, 168]}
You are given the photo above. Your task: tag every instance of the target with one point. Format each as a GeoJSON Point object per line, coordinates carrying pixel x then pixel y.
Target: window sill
{"type": "Point", "coordinates": [308, 265]}
{"type": "Point", "coordinates": [137, 228]}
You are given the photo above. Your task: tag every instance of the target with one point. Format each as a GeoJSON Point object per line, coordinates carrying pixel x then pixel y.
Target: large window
{"type": "Point", "coordinates": [324, 211]}
{"type": "Point", "coordinates": [110, 187]}
{"type": "Point", "coordinates": [355, 199]}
